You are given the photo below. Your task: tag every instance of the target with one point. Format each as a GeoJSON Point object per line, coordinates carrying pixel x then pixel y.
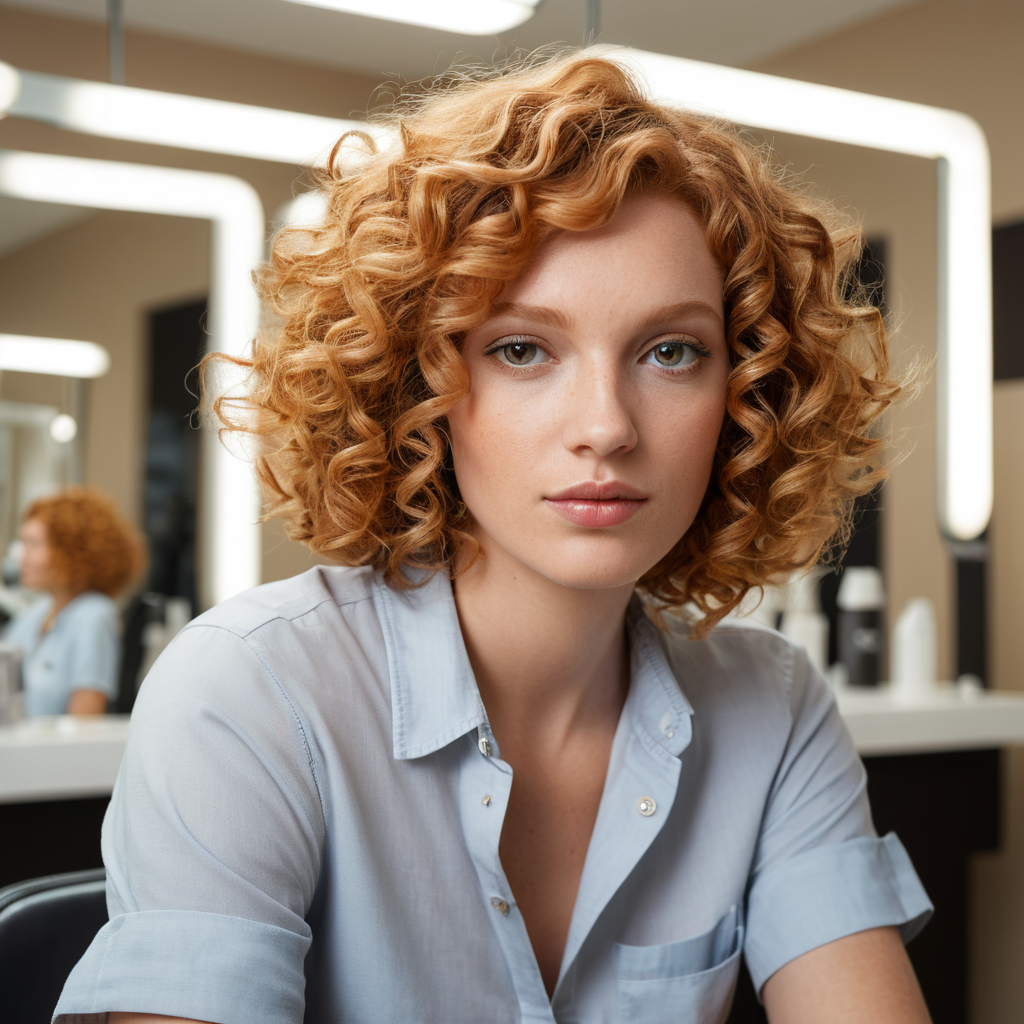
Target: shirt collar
{"type": "Point", "coordinates": [660, 712]}
{"type": "Point", "coordinates": [434, 696]}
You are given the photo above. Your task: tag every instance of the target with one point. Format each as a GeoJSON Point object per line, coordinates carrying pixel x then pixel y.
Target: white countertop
{"type": "Point", "coordinates": [61, 757]}
{"type": "Point", "coordinates": [945, 720]}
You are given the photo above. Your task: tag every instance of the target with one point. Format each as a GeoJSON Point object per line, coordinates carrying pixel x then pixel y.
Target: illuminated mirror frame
{"type": "Point", "coordinates": [230, 504]}
{"type": "Point", "coordinates": [952, 140]}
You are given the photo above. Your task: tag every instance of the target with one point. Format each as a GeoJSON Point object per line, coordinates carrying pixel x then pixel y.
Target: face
{"type": "Point", "coordinates": [36, 569]}
{"type": "Point", "coordinates": [586, 442]}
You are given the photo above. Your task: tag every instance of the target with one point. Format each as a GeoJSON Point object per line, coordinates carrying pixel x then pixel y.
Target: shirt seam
{"type": "Point", "coordinates": [289, 701]}
{"type": "Point", "coordinates": [384, 617]}
{"type": "Point", "coordinates": [276, 615]}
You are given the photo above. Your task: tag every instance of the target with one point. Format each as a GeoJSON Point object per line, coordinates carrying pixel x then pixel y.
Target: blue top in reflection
{"type": "Point", "coordinates": [80, 651]}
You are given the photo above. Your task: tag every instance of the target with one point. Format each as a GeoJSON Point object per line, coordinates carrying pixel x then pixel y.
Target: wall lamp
{"type": "Point", "coordinates": [953, 140]}
{"type": "Point", "coordinates": [61, 357]}
{"type": "Point", "coordinates": [231, 508]}
{"type": "Point", "coordinates": [467, 17]}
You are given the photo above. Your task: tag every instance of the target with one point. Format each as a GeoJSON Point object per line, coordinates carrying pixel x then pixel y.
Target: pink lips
{"type": "Point", "coordinates": [596, 504]}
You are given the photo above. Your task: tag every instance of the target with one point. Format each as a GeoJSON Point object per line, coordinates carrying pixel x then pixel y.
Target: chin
{"type": "Point", "coordinates": [590, 566]}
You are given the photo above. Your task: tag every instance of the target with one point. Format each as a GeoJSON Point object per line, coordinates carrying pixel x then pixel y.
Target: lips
{"type": "Point", "coordinates": [597, 504]}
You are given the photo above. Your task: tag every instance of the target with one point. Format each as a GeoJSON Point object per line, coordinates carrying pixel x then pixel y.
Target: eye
{"type": "Point", "coordinates": [520, 352]}
{"type": "Point", "coordinates": [673, 355]}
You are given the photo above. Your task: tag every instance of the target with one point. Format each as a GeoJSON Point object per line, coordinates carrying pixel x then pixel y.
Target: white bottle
{"type": "Point", "coordinates": [803, 621]}
{"type": "Point", "coordinates": [914, 651]}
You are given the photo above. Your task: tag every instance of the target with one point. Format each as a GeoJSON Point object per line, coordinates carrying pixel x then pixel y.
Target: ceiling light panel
{"type": "Point", "coordinates": [467, 17]}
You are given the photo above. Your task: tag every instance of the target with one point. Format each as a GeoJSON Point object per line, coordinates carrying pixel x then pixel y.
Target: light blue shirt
{"type": "Point", "coordinates": [80, 651]}
{"type": "Point", "coordinates": [306, 826]}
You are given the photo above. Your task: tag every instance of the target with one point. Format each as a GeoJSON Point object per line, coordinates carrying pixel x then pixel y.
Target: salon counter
{"type": "Point", "coordinates": [61, 758]}
{"type": "Point", "coordinates": [948, 719]}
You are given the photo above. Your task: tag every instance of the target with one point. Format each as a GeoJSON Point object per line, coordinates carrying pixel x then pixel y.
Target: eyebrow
{"type": "Point", "coordinates": [539, 314]}
{"type": "Point", "coordinates": [555, 318]}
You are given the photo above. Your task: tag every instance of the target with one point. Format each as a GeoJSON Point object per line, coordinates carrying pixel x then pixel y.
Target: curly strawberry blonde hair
{"type": "Point", "coordinates": [92, 546]}
{"type": "Point", "coordinates": [360, 362]}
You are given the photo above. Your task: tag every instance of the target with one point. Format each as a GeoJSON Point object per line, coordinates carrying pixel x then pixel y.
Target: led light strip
{"type": "Point", "coordinates": [231, 505]}
{"type": "Point", "coordinates": [187, 122]}
{"type": "Point", "coordinates": [60, 357]}
{"type": "Point", "coordinates": [467, 17]}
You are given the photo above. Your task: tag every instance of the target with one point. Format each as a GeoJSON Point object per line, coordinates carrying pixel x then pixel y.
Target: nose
{"type": "Point", "coordinates": [597, 416]}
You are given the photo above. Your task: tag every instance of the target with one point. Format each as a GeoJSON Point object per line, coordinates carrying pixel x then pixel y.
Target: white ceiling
{"type": "Point", "coordinates": [736, 32]}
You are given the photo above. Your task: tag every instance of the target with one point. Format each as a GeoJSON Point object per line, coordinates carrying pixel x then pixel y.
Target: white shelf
{"type": "Point", "coordinates": [61, 757]}
{"type": "Point", "coordinates": [945, 720]}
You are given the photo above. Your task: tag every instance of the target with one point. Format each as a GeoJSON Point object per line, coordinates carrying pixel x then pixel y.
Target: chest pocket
{"type": "Point", "coordinates": [686, 982]}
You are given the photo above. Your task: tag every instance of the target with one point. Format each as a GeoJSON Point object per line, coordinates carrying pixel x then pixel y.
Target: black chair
{"type": "Point", "coordinates": [141, 611]}
{"type": "Point", "coordinates": [46, 924]}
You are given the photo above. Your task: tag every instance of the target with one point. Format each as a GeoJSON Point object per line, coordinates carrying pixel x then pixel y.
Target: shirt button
{"type": "Point", "coordinates": [486, 801]}
{"type": "Point", "coordinates": [485, 746]}
{"type": "Point", "coordinates": [500, 905]}
{"type": "Point", "coordinates": [646, 806]}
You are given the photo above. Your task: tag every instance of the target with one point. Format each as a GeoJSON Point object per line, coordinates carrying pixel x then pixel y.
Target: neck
{"type": "Point", "coordinates": [61, 597]}
{"type": "Point", "coordinates": [548, 659]}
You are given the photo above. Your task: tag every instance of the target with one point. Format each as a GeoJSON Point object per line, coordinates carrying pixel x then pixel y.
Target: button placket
{"type": "Point", "coordinates": [484, 786]}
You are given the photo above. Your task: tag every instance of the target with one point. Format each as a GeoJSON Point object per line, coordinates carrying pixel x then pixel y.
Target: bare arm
{"type": "Point", "coordinates": [87, 702]}
{"type": "Point", "coordinates": [865, 977]}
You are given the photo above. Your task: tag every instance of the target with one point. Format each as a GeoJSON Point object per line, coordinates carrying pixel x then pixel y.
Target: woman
{"type": "Point", "coordinates": [79, 550]}
{"type": "Point", "coordinates": [559, 364]}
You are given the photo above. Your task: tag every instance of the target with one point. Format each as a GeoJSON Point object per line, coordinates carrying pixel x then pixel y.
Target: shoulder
{"type": "Point", "coordinates": [738, 654]}
{"type": "Point", "coordinates": [745, 672]}
{"type": "Point", "coordinates": [92, 607]}
{"type": "Point", "coordinates": [320, 590]}
{"type": "Point", "coordinates": [297, 636]}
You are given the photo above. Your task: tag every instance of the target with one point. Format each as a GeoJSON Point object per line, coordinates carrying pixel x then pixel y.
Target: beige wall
{"type": "Point", "coordinates": [967, 57]}
{"type": "Point", "coordinates": [97, 279]}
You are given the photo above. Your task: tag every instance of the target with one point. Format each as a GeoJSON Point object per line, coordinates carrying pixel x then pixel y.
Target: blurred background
{"type": "Point", "coordinates": [138, 284]}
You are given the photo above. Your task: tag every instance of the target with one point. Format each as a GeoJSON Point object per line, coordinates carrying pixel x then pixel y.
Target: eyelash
{"type": "Point", "coordinates": [518, 339]}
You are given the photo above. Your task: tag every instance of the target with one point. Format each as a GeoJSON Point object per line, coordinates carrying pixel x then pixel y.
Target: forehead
{"type": "Point", "coordinates": [653, 251]}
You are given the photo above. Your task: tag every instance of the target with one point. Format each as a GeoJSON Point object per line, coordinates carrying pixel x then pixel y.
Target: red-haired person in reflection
{"type": "Point", "coordinates": [79, 550]}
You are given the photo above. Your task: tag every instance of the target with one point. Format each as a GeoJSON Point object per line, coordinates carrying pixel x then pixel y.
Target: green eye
{"type": "Point", "coordinates": [672, 354]}
{"type": "Point", "coordinates": [669, 355]}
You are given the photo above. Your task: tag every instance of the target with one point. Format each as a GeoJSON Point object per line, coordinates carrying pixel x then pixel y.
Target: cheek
{"type": "Point", "coordinates": [684, 442]}
{"type": "Point", "coordinates": [493, 446]}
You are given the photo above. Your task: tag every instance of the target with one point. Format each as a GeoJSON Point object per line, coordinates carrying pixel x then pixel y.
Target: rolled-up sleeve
{"type": "Point", "coordinates": [212, 844]}
{"type": "Point", "coordinates": [820, 871]}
